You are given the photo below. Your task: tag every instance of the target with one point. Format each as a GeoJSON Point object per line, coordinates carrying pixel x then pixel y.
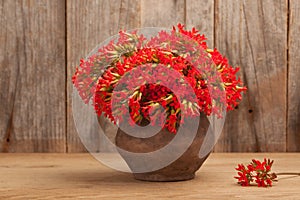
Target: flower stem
{"type": "Point", "coordinates": [288, 173]}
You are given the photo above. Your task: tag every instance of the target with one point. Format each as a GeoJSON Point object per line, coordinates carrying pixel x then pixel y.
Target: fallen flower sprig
{"type": "Point", "coordinates": [258, 172]}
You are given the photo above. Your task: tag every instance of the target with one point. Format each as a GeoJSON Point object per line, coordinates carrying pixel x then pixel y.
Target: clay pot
{"type": "Point", "coordinates": [183, 168]}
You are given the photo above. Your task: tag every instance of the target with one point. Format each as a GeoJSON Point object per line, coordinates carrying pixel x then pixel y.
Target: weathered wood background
{"type": "Point", "coordinates": [42, 40]}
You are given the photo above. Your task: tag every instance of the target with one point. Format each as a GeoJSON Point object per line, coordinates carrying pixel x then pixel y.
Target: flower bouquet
{"type": "Point", "coordinates": [167, 84]}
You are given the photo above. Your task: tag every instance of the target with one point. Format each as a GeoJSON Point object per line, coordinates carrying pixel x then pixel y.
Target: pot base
{"type": "Point", "coordinates": [163, 178]}
{"type": "Point", "coordinates": [181, 169]}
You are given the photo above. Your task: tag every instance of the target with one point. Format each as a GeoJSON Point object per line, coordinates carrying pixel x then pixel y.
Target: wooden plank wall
{"type": "Point", "coordinates": [293, 101]}
{"type": "Point", "coordinates": [32, 76]}
{"type": "Point", "coordinates": [42, 40]}
{"type": "Point", "coordinates": [253, 34]}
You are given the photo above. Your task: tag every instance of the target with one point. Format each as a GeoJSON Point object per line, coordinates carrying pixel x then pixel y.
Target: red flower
{"type": "Point", "coordinates": [209, 75]}
{"type": "Point", "coordinates": [260, 171]}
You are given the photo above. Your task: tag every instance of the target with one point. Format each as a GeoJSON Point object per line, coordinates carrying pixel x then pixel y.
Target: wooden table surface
{"type": "Point", "coordinates": [80, 176]}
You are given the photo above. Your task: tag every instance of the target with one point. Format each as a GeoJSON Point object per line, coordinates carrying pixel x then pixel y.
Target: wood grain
{"type": "Point", "coordinates": [42, 42]}
{"type": "Point", "coordinates": [79, 176]}
{"type": "Point", "coordinates": [163, 14]}
{"type": "Point", "coordinates": [200, 14]}
{"type": "Point", "coordinates": [293, 128]}
{"type": "Point", "coordinates": [32, 78]}
{"type": "Point", "coordinates": [88, 24]}
{"type": "Point", "coordinates": [253, 35]}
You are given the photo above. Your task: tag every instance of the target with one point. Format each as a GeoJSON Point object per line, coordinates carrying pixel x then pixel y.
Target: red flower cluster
{"type": "Point", "coordinates": [206, 71]}
{"type": "Point", "coordinates": [257, 171]}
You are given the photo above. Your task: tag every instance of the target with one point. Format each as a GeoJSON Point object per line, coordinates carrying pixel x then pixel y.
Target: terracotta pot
{"type": "Point", "coordinates": [183, 168]}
